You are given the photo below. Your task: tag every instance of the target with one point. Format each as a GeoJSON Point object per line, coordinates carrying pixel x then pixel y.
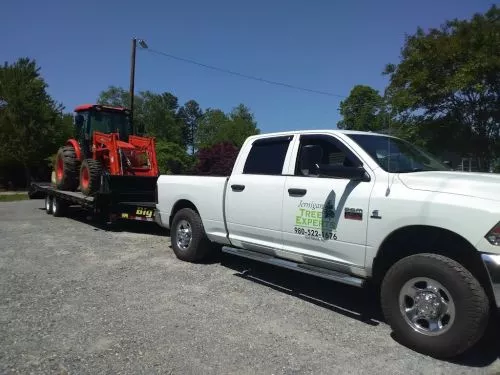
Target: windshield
{"type": "Point", "coordinates": [397, 156]}
{"type": "Point", "coordinates": [110, 122]}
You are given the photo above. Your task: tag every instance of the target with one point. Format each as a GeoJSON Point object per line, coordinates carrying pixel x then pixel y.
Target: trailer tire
{"type": "Point", "coordinates": [428, 288]}
{"type": "Point", "coordinates": [66, 169]}
{"type": "Point", "coordinates": [189, 240]}
{"type": "Point", "coordinates": [90, 176]}
{"type": "Point", "coordinates": [48, 204]}
{"type": "Point", "coordinates": [58, 207]}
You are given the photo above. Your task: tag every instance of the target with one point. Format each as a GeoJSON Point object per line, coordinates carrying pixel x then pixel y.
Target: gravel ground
{"type": "Point", "coordinates": [79, 298]}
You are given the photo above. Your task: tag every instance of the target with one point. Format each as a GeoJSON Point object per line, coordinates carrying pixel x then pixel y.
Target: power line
{"type": "Point", "coordinates": [276, 83]}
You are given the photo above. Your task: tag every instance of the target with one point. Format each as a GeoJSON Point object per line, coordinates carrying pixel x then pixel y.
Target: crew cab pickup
{"type": "Point", "coordinates": [357, 208]}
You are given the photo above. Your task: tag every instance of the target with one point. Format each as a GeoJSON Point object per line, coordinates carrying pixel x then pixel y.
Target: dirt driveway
{"type": "Point", "coordinates": [76, 298]}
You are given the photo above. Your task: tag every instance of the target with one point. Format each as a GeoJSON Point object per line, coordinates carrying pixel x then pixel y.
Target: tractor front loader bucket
{"type": "Point", "coordinates": [130, 189]}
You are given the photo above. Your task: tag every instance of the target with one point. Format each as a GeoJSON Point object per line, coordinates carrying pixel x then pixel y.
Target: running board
{"type": "Point", "coordinates": [301, 267]}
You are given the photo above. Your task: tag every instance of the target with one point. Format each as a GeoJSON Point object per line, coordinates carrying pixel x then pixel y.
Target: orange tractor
{"type": "Point", "coordinates": [105, 154]}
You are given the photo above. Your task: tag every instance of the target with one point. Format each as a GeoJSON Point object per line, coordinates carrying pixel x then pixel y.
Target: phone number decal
{"type": "Point", "coordinates": [315, 234]}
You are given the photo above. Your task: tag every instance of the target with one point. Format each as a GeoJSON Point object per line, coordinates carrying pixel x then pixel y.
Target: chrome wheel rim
{"type": "Point", "coordinates": [47, 203]}
{"type": "Point", "coordinates": [184, 234]}
{"type": "Point", "coordinates": [54, 205]}
{"type": "Point", "coordinates": [427, 306]}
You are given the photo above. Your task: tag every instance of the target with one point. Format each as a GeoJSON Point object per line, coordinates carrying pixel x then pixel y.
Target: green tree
{"type": "Point", "coordinates": [217, 127]}
{"type": "Point", "coordinates": [32, 124]}
{"type": "Point", "coordinates": [66, 130]}
{"type": "Point", "coordinates": [210, 127]}
{"type": "Point", "coordinates": [242, 125]}
{"type": "Point", "coordinates": [160, 117]}
{"type": "Point", "coordinates": [190, 113]}
{"type": "Point", "coordinates": [116, 96]}
{"type": "Point", "coordinates": [448, 79]}
{"type": "Point", "coordinates": [364, 109]}
{"type": "Point", "coordinates": [172, 158]}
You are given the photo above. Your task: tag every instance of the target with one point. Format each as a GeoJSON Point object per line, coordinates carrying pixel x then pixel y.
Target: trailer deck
{"type": "Point", "coordinates": [108, 206]}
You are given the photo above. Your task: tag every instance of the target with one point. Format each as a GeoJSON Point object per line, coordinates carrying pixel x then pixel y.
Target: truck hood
{"type": "Point", "coordinates": [479, 185]}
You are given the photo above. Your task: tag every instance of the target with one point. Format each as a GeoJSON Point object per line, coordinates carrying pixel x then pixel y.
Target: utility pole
{"type": "Point", "coordinates": [142, 44]}
{"type": "Point", "coordinates": [132, 81]}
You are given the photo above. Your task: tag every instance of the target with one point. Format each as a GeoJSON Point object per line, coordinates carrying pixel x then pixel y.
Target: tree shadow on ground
{"type": "Point", "coordinates": [361, 304]}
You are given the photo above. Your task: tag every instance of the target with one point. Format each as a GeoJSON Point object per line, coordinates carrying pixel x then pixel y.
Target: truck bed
{"type": "Point", "coordinates": [205, 192]}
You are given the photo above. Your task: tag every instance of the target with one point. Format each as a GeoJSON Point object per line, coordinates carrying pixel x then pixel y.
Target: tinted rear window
{"type": "Point", "coordinates": [267, 157]}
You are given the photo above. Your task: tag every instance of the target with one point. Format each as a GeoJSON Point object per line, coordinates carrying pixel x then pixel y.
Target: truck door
{"type": "Point", "coordinates": [254, 197]}
{"type": "Point", "coordinates": [325, 218]}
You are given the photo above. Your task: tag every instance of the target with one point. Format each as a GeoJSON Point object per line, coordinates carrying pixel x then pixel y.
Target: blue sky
{"type": "Point", "coordinates": [83, 47]}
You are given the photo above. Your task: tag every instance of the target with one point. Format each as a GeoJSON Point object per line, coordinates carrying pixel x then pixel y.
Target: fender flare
{"type": "Point", "coordinates": [73, 143]}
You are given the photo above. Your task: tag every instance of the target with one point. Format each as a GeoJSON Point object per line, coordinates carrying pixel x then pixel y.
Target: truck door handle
{"type": "Point", "coordinates": [297, 192]}
{"type": "Point", "coordinates": [238, 187]}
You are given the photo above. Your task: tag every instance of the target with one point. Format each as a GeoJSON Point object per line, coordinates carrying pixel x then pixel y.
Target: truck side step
{"type": "Point", "coordinates": [301, 267]}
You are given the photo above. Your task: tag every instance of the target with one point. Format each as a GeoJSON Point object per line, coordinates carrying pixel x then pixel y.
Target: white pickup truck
{"type": "Point", "coordinates": [355, 207]}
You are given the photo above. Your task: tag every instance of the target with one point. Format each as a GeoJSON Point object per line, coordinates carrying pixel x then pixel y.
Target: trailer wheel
{"type": "Point", "coordinates": [90, 176]}
{"type": "Point", "coordinates": [58, 207]}
{"type": "Point", "coordinates": [48, 204]}
{"type": "Point", "coordinates": [434, 305]}
{"type": "Point", "coordinates": [66, 169]}
{"type": "Point", "coordinates": [189, 240]}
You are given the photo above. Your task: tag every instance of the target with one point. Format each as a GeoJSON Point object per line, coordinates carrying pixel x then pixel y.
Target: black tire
{"type": "Point", "coordinates": [91, 183]}
{"type": "Point", "coordinates": [471, 305]}
{"type": "Point", "coordinates": [58, 207]}
{"type": "Point", "coordinates": [67, 168]}
{"type": "Point", "coordinates": [199, 247]}
{"type": "Point", "coordinates": [48, 204]}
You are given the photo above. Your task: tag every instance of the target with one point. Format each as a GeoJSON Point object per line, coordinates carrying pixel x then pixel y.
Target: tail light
{"type": "Point", "coordinates": [493, 235]}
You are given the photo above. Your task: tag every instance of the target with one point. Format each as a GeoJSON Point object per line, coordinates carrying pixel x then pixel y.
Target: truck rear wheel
{"type": "Point", "coordinates": [90, 176]}
{"type": "Point", "coordinates": [189, 240]}
{"type": "Point", "coordinates": [66, 169]}
{"type": "Point", "coordinates": [434, 305]}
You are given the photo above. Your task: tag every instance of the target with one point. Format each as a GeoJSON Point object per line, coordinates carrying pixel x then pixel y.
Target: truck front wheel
{"type": "Point", "coordinates": [189, 240]}
{"type": "Point", "coordinates": [434, 305]}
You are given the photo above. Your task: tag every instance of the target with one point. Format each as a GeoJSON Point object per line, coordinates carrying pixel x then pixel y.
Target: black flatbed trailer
{"type": "Point", "coordinates": [127, 201]}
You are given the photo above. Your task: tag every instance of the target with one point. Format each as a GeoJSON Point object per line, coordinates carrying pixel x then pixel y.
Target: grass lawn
{"type": "Point", "coordinates": [13, 197]}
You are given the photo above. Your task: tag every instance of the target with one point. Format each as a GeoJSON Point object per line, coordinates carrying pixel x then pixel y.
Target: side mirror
{"type": "Point", "coordinates": [351, 173]}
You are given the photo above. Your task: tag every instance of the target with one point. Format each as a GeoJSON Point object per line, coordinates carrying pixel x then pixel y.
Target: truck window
{"type": "Point", "coordinates": [267, 156]}
{"type": "Point", "coordinates": [333, 152]}
{"type": "Point", "coordinates": [396, 155]}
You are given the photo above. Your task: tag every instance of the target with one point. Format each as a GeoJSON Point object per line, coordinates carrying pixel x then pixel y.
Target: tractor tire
{"type": "Point", "coordinates": [434, 305]}
{"type": "Point", "coordinates": [90, 176]}
{"type": "Point", "coordinates": [66, 169]}
{"type": "Point", "coordinates": [188, 237]}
